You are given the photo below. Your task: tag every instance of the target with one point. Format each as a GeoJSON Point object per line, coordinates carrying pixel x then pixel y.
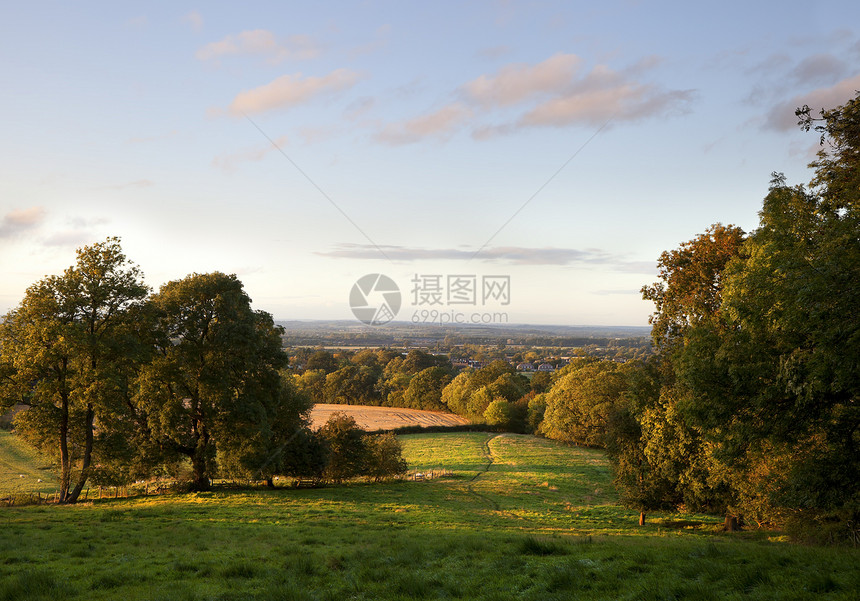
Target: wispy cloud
{"type": "Point", "coordinates": [438, 124]}
{"type": "Point", "coordinates": [20, 220]}
{"type": "Point", "coordinates": [566, 94]}
{"type": "Point", "coordinates": [819, 69]}
{"type": "Point", "coordinates": [781, 116]}
{"type": "Point", "coordinates": [262, 43]}
{"type": "Point", "coordinates": [194, 20]}
{"type": "Point", "coordinates": [228, 162]}
{"type": "Point", "coordinates": [557, 92]}
{"type": "Point", "coordinates": [514, 255]}
{"type": "Point", "coordinates": [72, 237]}
{"type": "Point", "coordinates": [517, 82]}
{"type": "Point", "coordinates": [289, 91]}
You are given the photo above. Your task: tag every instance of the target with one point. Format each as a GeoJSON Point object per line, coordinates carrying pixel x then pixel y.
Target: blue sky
{"type": "Point", "coordinates": [409, 135]}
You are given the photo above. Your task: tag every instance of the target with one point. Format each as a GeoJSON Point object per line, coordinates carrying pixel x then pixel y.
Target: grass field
{"type": "Point", "coordinates": [521, 518]}
{"type": "Point", "coordinates": [21, 469]}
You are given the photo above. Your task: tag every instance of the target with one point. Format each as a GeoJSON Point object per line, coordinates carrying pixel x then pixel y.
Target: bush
{"type": "Point", "coordinates": [384, 456]}
{"type": "Point", "coordinates": [345, 448]}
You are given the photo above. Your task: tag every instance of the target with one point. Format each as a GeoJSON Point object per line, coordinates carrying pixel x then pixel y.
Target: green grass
{"type": "Point", "coordinates": [17, 459]}
{"type": "Point", "coordinates": [521, 518]}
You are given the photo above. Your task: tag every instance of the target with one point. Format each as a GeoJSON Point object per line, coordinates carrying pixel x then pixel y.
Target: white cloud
{"type": "Point", "coordinates": [263, 43]}
{"type": "Point", "coordinates": [782, 118]}
{"type": "Point", "coordinates": [557, 92]}
{"type": "Point", "coordinates": [20, 220]}
{"type": "Point", "coordinates": [518, 82]}
{"type": "Point", "coordinates": [624, 101]}
{"type": "Point", "coordinates": [291, 90]}
{"type": "Point", "coordinates": [439, 124]}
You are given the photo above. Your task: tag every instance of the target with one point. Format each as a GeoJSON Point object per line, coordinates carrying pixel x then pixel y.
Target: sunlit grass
{"type": "Point", "coordinates": [540, 523]}
{"type": "Point", "coordinates": [20, 468]}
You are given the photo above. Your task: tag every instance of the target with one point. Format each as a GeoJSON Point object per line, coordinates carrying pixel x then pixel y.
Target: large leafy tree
{"type": "Point", "coordinates": [659, 458]}
{"type": "Point", "coordinates": [214, 390]}
{"type": "Point", "coordinates": [776, 384]}
{"type": "Point", "coordinates": [690, 287]}
{"type": "Point", "coordinates": [69, 352]}
{"type": "Point", "coordinates": [581, 400]}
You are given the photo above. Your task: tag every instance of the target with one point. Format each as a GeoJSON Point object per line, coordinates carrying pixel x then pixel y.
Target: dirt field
{"type": "Point", "coordinates": [385, 418]}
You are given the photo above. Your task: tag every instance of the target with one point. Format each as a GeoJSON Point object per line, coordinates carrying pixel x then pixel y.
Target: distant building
{"type": "Point", "coordinates": [525, 367]}
{"type": "Point", "coordinates": [545, 367]}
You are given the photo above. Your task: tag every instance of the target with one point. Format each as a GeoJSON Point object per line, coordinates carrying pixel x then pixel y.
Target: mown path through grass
{"type": "Point", "coordinates": [485, 447]}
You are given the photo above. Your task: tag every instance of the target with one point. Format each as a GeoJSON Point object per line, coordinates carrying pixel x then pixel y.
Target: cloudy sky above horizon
{"type": "Point", "coordinates": [564, 145]}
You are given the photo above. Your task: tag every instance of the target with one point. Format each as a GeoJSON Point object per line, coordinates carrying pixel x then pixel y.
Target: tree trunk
{"type": "Point", "coordinates": [641, 518]}
{"type": "Point", "coordinates": [65, 460]}
{"type": "Point", "coordinates": [731, 523]}
{"type": "Point", "coordinates": [270, 482]}
{"type": "Point", "coordinates": [88, 456]}
{"type": "Point", "coordinates": [201, 480]}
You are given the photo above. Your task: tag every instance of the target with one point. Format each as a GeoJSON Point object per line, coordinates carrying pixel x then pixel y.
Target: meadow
{"type": "Point", "coordinates": [518, 518]}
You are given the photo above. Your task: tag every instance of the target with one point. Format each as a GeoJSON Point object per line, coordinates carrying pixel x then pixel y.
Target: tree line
{"type": "Point", "coordinates": [121, 384]}
{"type": "Point", "coordinates": [751, 406]}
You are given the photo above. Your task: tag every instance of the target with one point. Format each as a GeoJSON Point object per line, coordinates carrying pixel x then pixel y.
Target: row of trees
{"type": "Point", "coordinates": [121, 384]}
{"type": "Point", "coordinates": [752, 404]}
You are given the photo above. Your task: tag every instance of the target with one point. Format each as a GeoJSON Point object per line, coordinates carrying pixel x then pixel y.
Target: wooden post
{"type": "Point", "coordinates": [641, 518]}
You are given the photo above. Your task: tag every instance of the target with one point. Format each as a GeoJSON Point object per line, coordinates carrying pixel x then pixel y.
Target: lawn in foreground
{"type": "Point", "coordinates": [521, 518]}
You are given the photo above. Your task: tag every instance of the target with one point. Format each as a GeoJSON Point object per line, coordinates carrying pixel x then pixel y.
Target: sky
{"type": "Point", "coordinates": [498, 161]}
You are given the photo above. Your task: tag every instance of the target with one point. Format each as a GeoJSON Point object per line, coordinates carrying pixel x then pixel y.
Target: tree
{"type": "Point", "coordinates": [323, 360]}
{"type": "Point", "coordinates": [269, 445]}
{"type": "Point", "coordinates": [579, 403]}
{"type": "Point", "coordinates": [352, 385]}
{"type": "Point", "coordinates": [213, 387]}
{"type": "Point", "coordinates": [425, 389]}
{"type": "Point", "coordinates": [690, 289]}
{"type": "Point", "coordinates": [774, 383]}
{"type": "Point", "coordinates": [346, 451]}
{"type": "Point", "coordinates": [68, 352]}
{"type": "Point", "coordinates": [384, 456]}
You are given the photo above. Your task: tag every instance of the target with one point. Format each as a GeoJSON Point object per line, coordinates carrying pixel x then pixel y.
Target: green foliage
{"type": "Point", "coordinates": [352, 385]}
{"type": "Point", "coordinates": [758, 406]}
{"type": "Point", "coordinates": [472, 391]}
{"type": "Point", "coordinates": [214, 386]}
{"type": "Point", "coordinates": [536, 410]}
{"type": "Point", "coordinates": [70, 352]}
{"type": "Point", "coordinates": [690, 286]}
{"type": "Point", "coordinates": [500, 412]}
{"type": "Point", "coordinates": [580, 402]}
{"type": "Point", "coordinates": [322, 360]}
{"type": "Point", "coordinates": [384, 457]}
{"type": "Point", "coordinates": [346, 452]}
{"type": "Point", "coordinates": [425, 389]}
